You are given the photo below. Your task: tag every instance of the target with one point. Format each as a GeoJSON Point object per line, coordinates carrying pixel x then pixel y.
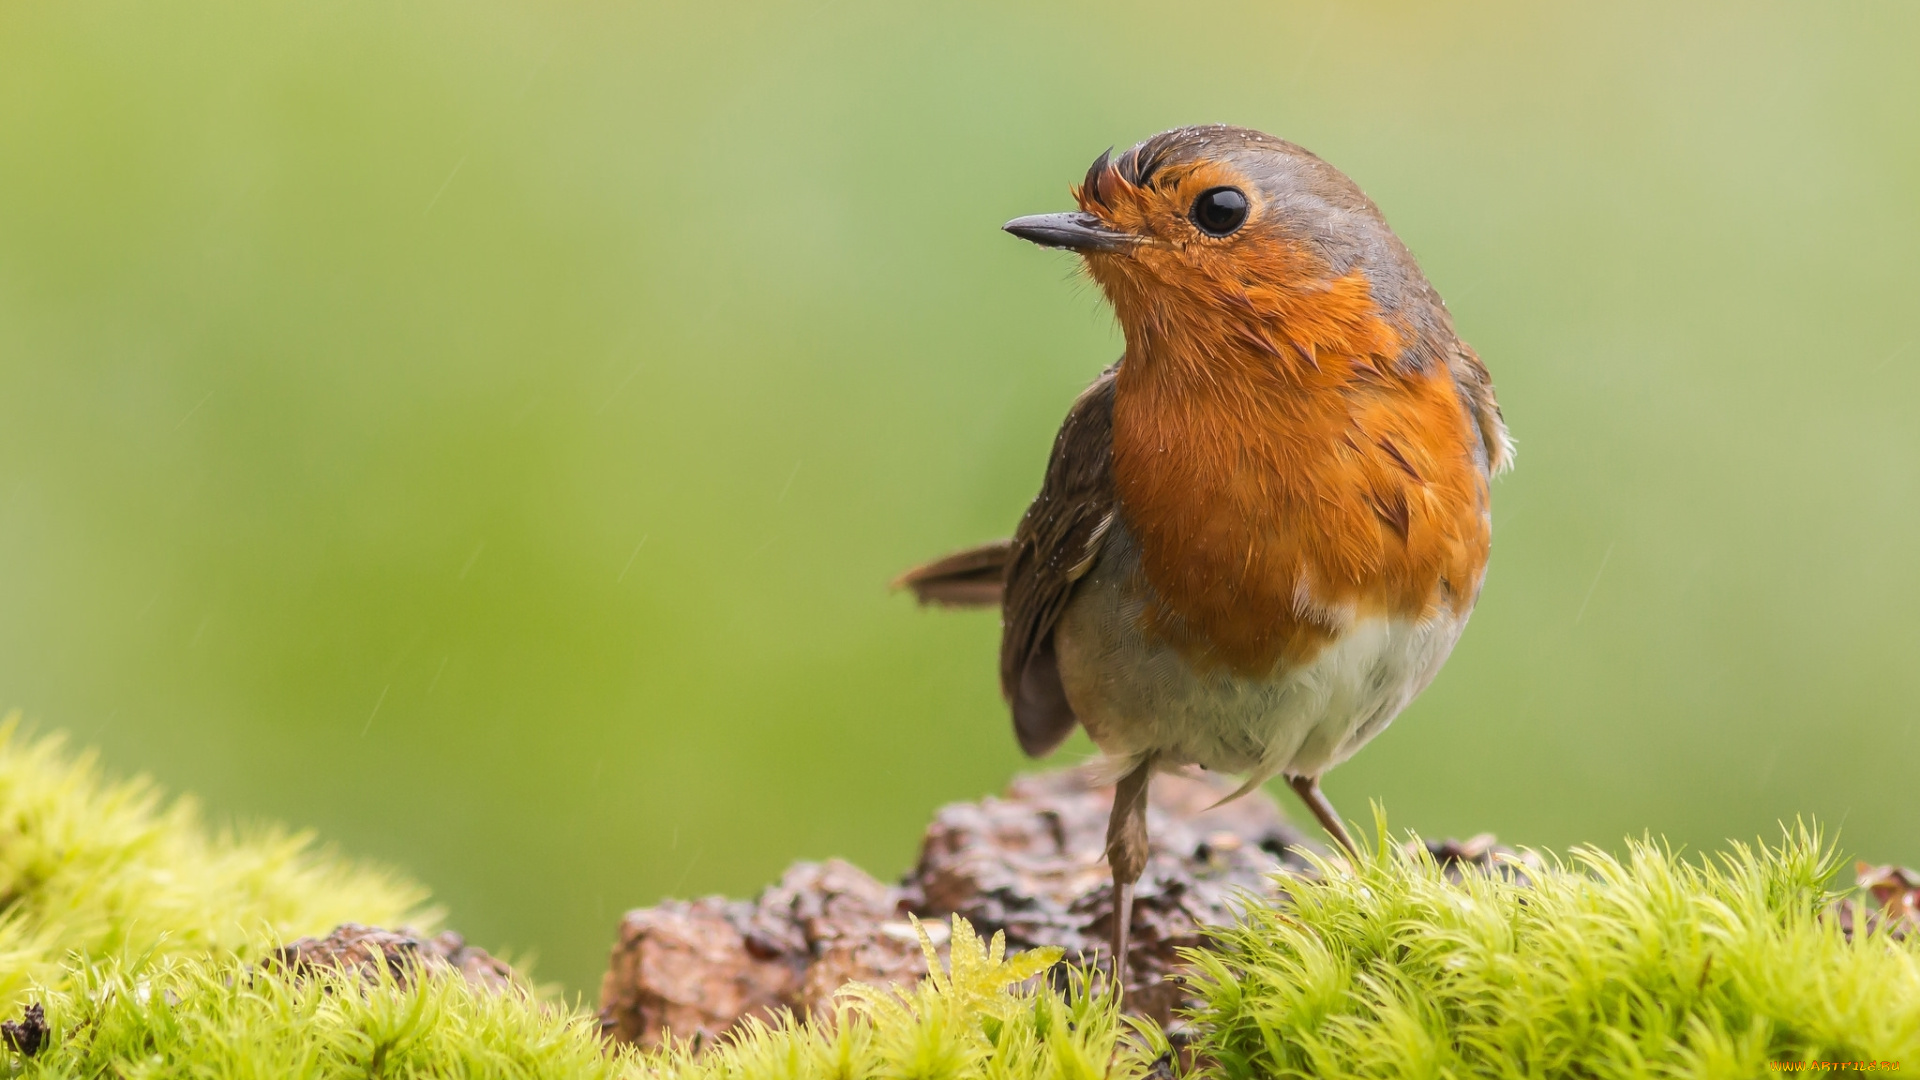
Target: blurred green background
{"type": "Point", "coordinates": [484, 430]}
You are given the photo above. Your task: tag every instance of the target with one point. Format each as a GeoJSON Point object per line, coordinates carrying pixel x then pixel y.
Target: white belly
{"type": "Point", "coordinates": [1137, 697]}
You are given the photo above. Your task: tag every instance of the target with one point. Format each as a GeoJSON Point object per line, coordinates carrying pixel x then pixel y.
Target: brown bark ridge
{"type": "Point", "coordinates": [366, 950]}
{"type": "Point", "coordinates": [1028, 863]}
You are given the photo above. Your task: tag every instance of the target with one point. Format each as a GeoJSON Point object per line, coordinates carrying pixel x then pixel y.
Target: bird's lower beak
{"type": "Point", "coordinates": [1073, 231]}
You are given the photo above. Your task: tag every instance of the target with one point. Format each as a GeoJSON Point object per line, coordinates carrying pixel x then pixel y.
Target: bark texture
{"type": "Point", "coordinates": [367, 951]}
{"type": "Point", "coordinates": [1028, 863]}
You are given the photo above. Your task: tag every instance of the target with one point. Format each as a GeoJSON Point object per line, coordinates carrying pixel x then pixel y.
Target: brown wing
{"type": "Point", "coordinates": [1053, 548]}
{"type": "Point", "coordinates": [976, 577]}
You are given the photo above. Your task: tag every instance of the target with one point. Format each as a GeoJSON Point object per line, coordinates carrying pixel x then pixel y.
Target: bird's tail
{"type": "Point", "coordinates": [976, 577]}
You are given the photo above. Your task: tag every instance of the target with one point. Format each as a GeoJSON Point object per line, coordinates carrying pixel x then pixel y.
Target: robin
{"type": "Point", "coordinates": [1262, 530]}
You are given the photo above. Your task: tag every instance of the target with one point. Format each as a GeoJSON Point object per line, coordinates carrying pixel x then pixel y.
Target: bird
{"type": "Point", "coordinates": [1261, 531]}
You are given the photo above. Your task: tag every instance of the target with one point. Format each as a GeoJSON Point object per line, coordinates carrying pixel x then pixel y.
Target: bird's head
{"type": "Point", "coordinates": [1221, 230]}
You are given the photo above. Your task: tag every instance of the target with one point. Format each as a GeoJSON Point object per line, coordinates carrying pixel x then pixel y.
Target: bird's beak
{"type": "Point", "coordinates": [1074, 231]}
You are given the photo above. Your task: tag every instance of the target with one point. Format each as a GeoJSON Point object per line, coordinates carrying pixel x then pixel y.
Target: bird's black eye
{"type": "Point", "coordinates": [1219, 211]}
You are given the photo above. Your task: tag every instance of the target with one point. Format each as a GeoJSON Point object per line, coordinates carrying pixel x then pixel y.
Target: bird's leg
{"type": "Point", "coordinates": [1127, 857]}
{"type": "Point", "coordinates": [1308, 788]}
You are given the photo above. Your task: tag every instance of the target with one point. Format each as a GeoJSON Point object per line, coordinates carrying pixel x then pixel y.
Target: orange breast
{"type": "Point", "coordinates": [1278, 493]}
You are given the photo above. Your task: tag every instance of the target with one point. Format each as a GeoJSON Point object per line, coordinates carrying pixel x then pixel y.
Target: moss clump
{"type": "Point", "coordinates": [135, 929]}
{"type": "Point", "coordinates": [108, 871]}
{"type": "Point", "coordinates": [1647, 965]}
{"type": "Point", "coordinates": [216, 1017]}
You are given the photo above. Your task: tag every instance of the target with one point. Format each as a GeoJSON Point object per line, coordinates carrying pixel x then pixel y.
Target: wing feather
{"type": "Point", "coordinates": [1055, 545]}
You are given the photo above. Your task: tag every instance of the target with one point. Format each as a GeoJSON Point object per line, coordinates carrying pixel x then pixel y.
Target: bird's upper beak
{"type": "Point", "coordinates": [1075, 231]}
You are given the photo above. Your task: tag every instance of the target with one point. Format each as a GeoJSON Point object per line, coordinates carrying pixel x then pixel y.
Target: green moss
{"type": "Point", "coordinates": [108, 871]}
{"type": "Point", "coordinates": [134, 927]}
{"type": "Point", "coordinates": [216, 1018]}
{"type": "Point", "coordinates": [1647, 965]}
